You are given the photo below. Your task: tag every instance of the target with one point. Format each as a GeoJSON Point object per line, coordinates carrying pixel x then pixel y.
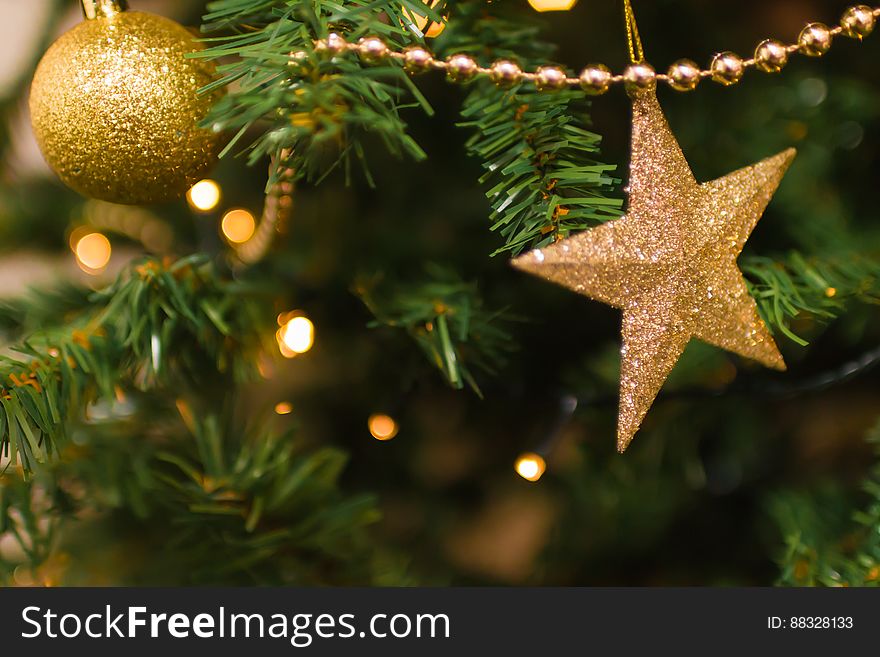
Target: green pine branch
{"type": "Point", "coordinates": [50, 383]}
{"type": "Point", "coordinates": [539, 155]}
{"type": "Point", "coordinates": [446, 318]}
{"type": "Point", "coordinates": [544, 180]}
{"type": "Point", "coordinates": [202, 501]}
{"type": "Point", "coordinates": [796, 287]}
{"type": "Point", "coordinates": [173, 319]}
{"type": "Point", "coordinates": [540, 158]}
{"type": "Point", "coordinates": [43, 307]}
{"type": "Point", "coordinates": [318, 108]}
{"type": "Point", "coordinates": [158, 324]}
{"type": "Point", "coordinates": [821, 550]}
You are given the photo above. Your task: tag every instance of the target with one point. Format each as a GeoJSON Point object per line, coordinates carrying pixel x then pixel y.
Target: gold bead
{"type": "Point", "coordinates": [297, 58]}
{"type": "Point", "coordinates": [505, 72]}
{"type": "Point", "coordinates": [815, 39]}
{"type": "Point", "coordinates": [684, 75]}
{"type": "Point", "coordinates": [110, 125]}
{"type": "Point", "coordinates": [858, 22]}
{"type": "Point", "coordinates": [639, 76]}
{"type": "Point", "coordinates": [461, 68]}
{"type": "Point", "coordinates": [334, 44]}
{"type": "Point", "coordinates": [727, 68]}
{"type": "Point", "coordinates": [595, 79]}
{"type": "Point", "coordinates": [771, 56]}
{"type": "Point", "coordinates": [550, 78]}
{"type": "Point", "coordinates": [103, 8]}
{"type": "Point", "coordinates": [372, 49]}
{"type": "Point", "coordinates": [417, 60]}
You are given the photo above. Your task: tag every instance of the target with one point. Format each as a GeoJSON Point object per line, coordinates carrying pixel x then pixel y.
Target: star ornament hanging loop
{"type": "Point", "coordinates": [670, 262]}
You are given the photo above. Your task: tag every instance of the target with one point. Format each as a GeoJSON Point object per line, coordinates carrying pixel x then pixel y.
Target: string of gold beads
{"type": "Point", "coordinates": [726, 68]}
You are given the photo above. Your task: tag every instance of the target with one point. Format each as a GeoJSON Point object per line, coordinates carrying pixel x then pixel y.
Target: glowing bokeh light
{"type": "Point", "coordinates": [238, 226]}
{"type": "Point", "coordinates": [296, 336]}
{"type": "Point", "coordinates": [284, 408]}
{"type": "Point", "coordinates": [552, 5]}
{"type": "Point", "coordinates": [382, 427]}
{"type": "Point", "coordinates": [92, 252]}
{"type": "Point", "coordinates": [204, 196]}
{"type": "Point", "coordinates": [530, 466]}
{"type": "Point", "coordinates": [421, 22]}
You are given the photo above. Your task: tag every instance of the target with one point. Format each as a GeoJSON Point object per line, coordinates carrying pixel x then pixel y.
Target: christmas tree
{"type": "Point", "coordinates": [332, 375]}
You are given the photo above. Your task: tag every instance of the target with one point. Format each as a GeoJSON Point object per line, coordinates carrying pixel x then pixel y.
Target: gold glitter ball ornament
{"type": "Point", "coordinates": [670, 262]}
{"type": "Point", "coordinates": [115, 107]}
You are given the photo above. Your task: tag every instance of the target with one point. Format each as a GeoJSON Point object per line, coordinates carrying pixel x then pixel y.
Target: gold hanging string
{"type": "Point", "coordinates": [633, 40]}
{"type": "Point", "coordinates": [276, 209]}
{"type": "Point", "coordinates": [102, 8]}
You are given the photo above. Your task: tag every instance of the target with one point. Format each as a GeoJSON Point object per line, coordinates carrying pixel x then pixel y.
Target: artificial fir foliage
{"type": "Point", "coordinates": [151, 432]}
{"type": "Point", "coordinates": [445, 316]}
{"type": "Point", "coordinates": [825, 549]}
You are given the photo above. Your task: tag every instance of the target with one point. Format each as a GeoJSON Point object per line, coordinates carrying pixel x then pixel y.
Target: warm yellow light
{"type": "Point", "coordinates": [421, 22]}
{"type": "Point", "coordinates": [296, 336]}
{"type": "Point", "coordinates": [285, 317]}
{"type": "Point", "coordinates": [435, 30]}
{"type": "Point", "coordinates": [552, 5]}
{"type": "Point", "coordinates": [204, 196]}
{"type": "Point", "coordinates": [92, 252]}
{"type": "Point", "coordinates": [530, 466]}
{"type": "Point", "coordinates": [265, 366]}
{"type": "Point", "coordinates": [76, 235]}
{"type": "Point", "coordinates": [382, 427]}
{"type": "Point", "coordinates": [284, 408]}
{"type": "Point", "coordinates": [238, 226]}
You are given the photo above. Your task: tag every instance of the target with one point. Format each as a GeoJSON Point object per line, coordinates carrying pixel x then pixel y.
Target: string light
{"type": "Point", "coordinates": [552, 5]}
{"type": "Point", "coordinates": [204, 196]}
{"type": "Point", "coordinates": [92, 252]}
{"type": "Point", "coordinates": [296, 336]}
{"type": "Point", "coordinates": [238, 226]}
{"type": "Point", "coordinates": [78, 233]}
{"type": "Point", "coordinates": [530, 466]}
{"type": "Point", "coordinates": [421, 22]}
{"type": "Point", "coordinates": [284, 408]}
{"type": "Point", "coordinates": [382, 427]}
{"type": "Point", "coordinates": [265, 365]}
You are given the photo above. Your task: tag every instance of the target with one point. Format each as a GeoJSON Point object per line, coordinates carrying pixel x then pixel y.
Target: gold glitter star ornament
{"type": "Point", "coordinates": [115, 106]}
{"type": "Point", "coordinates": [670, 263]}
